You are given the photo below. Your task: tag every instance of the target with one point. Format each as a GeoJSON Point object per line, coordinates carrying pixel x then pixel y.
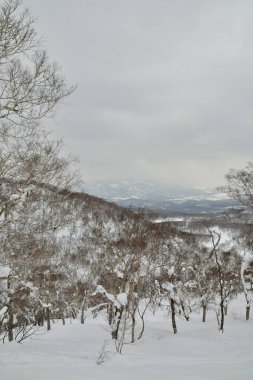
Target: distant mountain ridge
{"type": "Point", "coordinates": [159, 196]}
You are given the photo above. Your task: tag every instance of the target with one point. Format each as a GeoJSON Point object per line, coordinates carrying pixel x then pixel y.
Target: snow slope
{"type": "Point", "coordinates": [197, 352]}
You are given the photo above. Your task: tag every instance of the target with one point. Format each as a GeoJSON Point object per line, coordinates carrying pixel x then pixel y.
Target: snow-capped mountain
{"type": "Point", "coordinates": [159, 196]}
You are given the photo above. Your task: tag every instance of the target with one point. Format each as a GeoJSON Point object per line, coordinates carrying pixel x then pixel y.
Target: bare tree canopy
{"type": "Point", "coordinates": [30, 88]}
{"type": "Point", "coordinates": [30, 85]}
{"type": "Point", "coordinates": [239, 185]}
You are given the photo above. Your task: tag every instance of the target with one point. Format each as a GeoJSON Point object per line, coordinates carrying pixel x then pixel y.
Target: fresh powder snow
{"type": "Point", "coordinates": [198, 352]}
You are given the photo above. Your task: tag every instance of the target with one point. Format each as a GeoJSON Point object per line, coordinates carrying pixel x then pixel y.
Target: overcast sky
{"type": "Point", "coordinates": [165, 87]}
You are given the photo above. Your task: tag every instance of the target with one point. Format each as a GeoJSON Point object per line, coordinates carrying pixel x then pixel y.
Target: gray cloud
{"type": "Point", "coordinates": [164, 87]}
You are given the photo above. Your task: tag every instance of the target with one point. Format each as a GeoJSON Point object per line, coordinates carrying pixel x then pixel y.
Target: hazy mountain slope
{"type": "Point", "coordinates": [159, 196]}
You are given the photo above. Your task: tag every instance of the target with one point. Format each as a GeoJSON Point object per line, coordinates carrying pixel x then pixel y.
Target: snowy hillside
{"type": "Point", "coordinates": [90, 280]}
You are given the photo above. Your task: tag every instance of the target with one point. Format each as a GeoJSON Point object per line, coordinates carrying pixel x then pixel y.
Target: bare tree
{"type": "Point", "coordinates": [226, 270]}
{"type": "Point", "coordinates": [30, 86]}
{"type": "Point", "coordinates": [239, 185]}
{"type": "Point", "coordinates": [247, 281]}
{"type": "Point", "coordinates": [34, 177]}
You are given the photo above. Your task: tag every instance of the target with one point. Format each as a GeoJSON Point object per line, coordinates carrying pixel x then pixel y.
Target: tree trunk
{"type": "Point", "coordinates": [183, 310]}
{"type": "Point", "coordinates": [143, 327]}
{"type": "Point", "coordinates": [118, 319]}
{"type": "Point", "coordinates": [82, 313]}
{"type": "Point", "coordinates": [41, 319]}
{"type": "Point", "coordinates": [173, 315]}
{"type": "Point", "coordinates": [10, 313]}
{"type": "Point", "coordinates": [10, 324]}
{"type": "Point", "coordinates": [133, 327]}
{"type": "Point", "coordinates": [110, 313]}
{"type": "Point", "coordinates": [247, 311]}
{"type": "Point", "coordinates": [142, 319]}
{"type": "Point", "coordinates": [48, 318]}
{"type": "Point", "coordinates": [222, 316]}
{"type": "Point", "coordinates": [204, 313]}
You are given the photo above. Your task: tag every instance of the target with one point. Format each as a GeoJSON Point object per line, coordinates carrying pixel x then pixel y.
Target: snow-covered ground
{"type": "Point", "coordinates": [197, 352]}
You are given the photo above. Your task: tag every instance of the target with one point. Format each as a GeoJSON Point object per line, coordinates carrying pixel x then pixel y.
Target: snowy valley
{"type": "Point", "coordinates": [159, 196]}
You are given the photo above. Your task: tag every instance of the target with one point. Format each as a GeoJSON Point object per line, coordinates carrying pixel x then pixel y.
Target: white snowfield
{"type": "Point", "coordinates": [198, 352]}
